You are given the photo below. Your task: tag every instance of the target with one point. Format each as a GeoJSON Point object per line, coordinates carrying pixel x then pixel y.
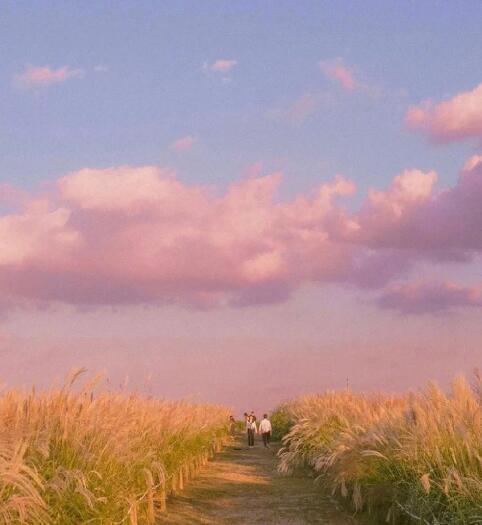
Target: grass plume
{"type": "Point", "coordinates": [402, 459]}
{"type": "Point", "coordinates": [69, 457]}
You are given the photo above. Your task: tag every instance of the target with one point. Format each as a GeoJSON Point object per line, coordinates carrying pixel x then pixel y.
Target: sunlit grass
{"type": "Point", "coordinates": [71, 457]}
{"type": "Point", "coordinates": [414, 458]}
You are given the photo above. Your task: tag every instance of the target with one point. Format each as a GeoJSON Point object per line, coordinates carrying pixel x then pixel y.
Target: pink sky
{"type": "Point", "coordinates": [214, 291]}
{"type": "Point", "coordinates": [248, 359]}
{"type": "Point", "coordinates": [241, 203]}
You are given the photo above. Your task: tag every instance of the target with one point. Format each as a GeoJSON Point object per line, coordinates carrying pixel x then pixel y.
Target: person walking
{"type": "Point", "coordinates": [265, 430]}
{"type": "Point", "coordinates": [232, 426]}
{"type": "Point", "coordinates": [251, 428]}
{"type": "Point", "coordinates": [247, 425]}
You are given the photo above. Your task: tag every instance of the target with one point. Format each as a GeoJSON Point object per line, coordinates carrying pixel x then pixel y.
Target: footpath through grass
{"type": "Point", "coordinates": [242, 486]}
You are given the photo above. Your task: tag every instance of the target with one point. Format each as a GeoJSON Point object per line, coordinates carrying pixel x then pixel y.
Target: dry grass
{"type": "Point", "coordinates": [71, 457]}
{"type": "Point", "coordinates": [415, 458]}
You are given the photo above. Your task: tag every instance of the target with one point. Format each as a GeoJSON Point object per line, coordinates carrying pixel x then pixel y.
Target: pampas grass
{"type": "Point", "coordinates": [69, 457]}
{"type": "Point", "coordinates": [408, 459]}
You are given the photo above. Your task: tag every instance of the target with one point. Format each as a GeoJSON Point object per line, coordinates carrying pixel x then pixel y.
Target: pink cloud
{"type": "Point", "coordinates": [373, 269]}
{"type": "Point", "coordinates": [473, 163]}
{"type": "Point", "coordinates": [303, 108]}
{"type": "Point", "coordinates": [455, 119]}
{"type": "Point", "coordinates": [10, 195]}
{"type": "Point", "coordinates": [298, 111]}
{"type": "Point", "coordinates": [336, 70]}
{"type": "Point", "coordinates": [46, 76]}
{"type": "Point", "coordinates": [129, 191]}
{"type": "Point", "coordinates": [254, 170]}
{"type": "Point", "coordinates": [137, 235]}
{"type": "Point", "coordinates": [411, 216]}
{"type": "Point", "coordinates": [222, 65]}
{"type": "Point", "coordinates": [422, 297]}
{"type": "Point", "coordinates": [183, 144]}
{"type": "Point", "coordinates": [39, 236]}
{"type": "Point", "coordinates": [128, 235]}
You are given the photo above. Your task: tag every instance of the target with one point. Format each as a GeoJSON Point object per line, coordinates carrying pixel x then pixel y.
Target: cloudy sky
{"type": "Point", "coordinates": [241, 201]}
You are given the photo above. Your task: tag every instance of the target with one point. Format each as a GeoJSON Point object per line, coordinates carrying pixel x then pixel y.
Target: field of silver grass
{"type": "Point", "coordinates": [70, 457]}
{"type": "Point", "coordinates": [408, 459]}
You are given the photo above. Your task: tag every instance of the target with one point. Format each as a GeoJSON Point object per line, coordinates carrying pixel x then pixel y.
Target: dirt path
{"type": "Point", "coordinates": [241, 486]}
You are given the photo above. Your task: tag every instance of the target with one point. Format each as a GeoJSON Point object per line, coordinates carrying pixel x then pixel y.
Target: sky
{"type": "Point", "coordinates": [241, 202]}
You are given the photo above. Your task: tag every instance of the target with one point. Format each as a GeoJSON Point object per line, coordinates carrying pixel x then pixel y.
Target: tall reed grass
{"type": "Point", "coordinates": [69, 457]}
{"type": "Point", "coordinates": [409, 459]}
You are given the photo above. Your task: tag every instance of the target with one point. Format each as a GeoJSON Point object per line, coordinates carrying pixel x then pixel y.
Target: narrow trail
{"type": "Point", "coordinates": [241, 486]}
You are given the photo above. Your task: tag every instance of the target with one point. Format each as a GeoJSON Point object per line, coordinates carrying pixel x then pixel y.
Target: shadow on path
{"type": "Point", "coordinates": [242, 486]}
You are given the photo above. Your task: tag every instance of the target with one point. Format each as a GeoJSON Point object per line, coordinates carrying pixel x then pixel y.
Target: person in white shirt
{"type": "Point", "coordinates": [265, 430]}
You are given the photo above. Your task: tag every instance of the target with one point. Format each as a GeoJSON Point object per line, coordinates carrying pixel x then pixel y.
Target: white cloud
{"type": "Point", "coordinates": [183, 144]}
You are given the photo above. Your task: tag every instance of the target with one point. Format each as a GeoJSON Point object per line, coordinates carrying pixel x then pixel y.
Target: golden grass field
{"type": "Point", "coordinates": [401, 459]}
{"type": "Point", "coordinates": [72, 457]}
{"type": "Point", "coordinates": [82, 455]}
